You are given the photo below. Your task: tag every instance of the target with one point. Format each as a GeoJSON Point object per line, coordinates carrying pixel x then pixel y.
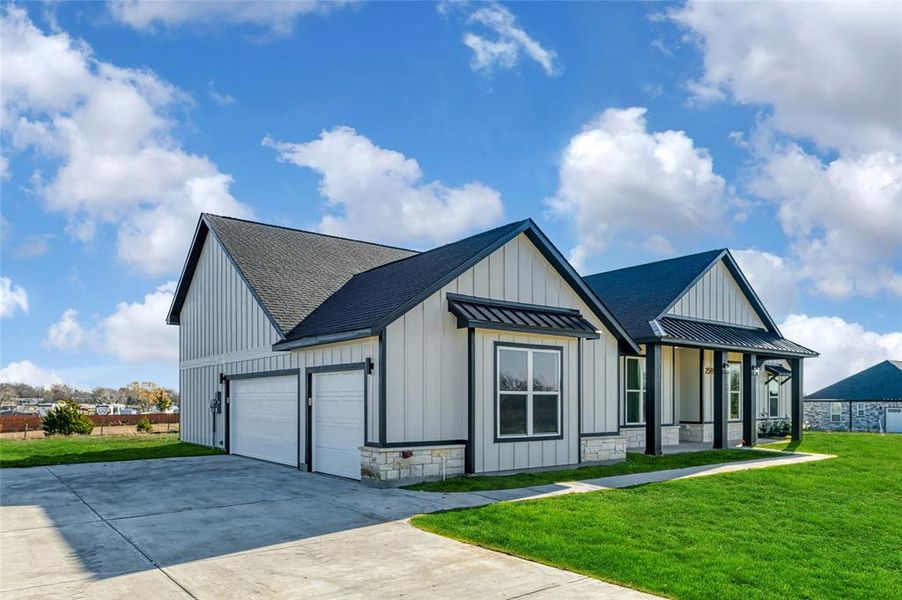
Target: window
{"type": "Point", "coordinates": [529, 392]}
{"type": "Point", "coordinates": [859, 409]}
{"type": "Point", "coordinates": [734, 383]}
{"type": "Point", "coordinates": [635, 390]}
{"type": "Point", "coordinates": [835, 412]}
{"type": "Point", "coordinates": [773, 398]}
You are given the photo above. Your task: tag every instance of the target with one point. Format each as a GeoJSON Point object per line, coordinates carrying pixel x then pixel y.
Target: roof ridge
{"type": "Point", "coordinates": [297, 229]}
{"type": "Point", "coordinates": [663, 260]}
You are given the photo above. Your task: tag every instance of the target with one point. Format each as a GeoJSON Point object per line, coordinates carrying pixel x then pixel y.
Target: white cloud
{"type": "Point", "coordinates": [218, 97]}
{"type": "Point", "coordinates": [27, 372]}
{"type": "Point", "coordinates": [277, 18]}
{"type": "Point", "coordinates": [509, 41]}
{"type": "Point", "coordinates": [12, 298]}
{"type": "Point", "coordinates": [843, 218]}
{"type": "Point", "coordinates": [772, 278]}
{"type": "Point", "coordinates": [34, 246]}
{"type": "Point", "coordinates": [831, 70]}
{"type": "Point", "coordinates": [845, 348]}
{"type": "Point", "coordinates": [378, 194]}
{"type": "Point", "coordinates": [618, 178]}
{"type": "Point", "coordinates": [67, 333]}
{"type": "Point", "coordinates": [110, 129]}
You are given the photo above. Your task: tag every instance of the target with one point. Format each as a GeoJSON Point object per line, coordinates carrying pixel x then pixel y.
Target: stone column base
{"type": "Point", "coordinates": [603, 448]}
{"type": "Point", "coordinates": [389, 467]}
{"type": "Point", "coordinates": [635, 436]}
{"type": "Point", "coordinates": [697, 432]}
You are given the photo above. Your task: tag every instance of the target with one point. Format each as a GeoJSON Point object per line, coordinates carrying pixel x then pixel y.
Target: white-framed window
{"type": "Point", "coordinates": [528, 394]}
{"type": "Point", "coordinates": [859, 409]}
{"type": "Point", "coordinates": [773, 398]}
{"type": "Point", "coordinates": [836, 412]}
{"type": "Point", "coordinates": [734, 387]}
{"type": "Point", "coordinates": [635, 390]}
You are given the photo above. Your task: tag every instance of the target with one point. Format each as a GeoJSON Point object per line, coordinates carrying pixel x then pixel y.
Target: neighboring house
{"type": "Point", "coordinates": [870, 400]}
{"type": "Point", "coordinates": [697, 316]}
{"type": "Point", "coordinates": [367, 361]}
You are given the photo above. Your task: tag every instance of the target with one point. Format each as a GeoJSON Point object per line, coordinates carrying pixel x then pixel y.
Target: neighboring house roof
{"type": "Point", "coordinates": [289, 271]}
{"type": "Point", "coordinates": [640, 297]}
{"type": "Point", "coordinates": [882, 381]}
{"type": "Point", "coordinates": [371, 300]}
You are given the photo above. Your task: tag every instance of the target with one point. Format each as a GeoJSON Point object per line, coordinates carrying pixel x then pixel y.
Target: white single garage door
{"type": "Point", "coordinates": [263, 415]}
{"type": "Point", "coordinates": [894, 420]}
{"type": "Point", "coordinates": [338, 422]}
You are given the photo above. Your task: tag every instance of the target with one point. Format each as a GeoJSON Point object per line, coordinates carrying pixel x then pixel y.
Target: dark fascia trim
{"type": "Point", "coordinates": [762, 352]}
{"type": "Point", "coordinates": [525, 438]}
{"type": "Point", "coordinates": [259, 374]}
{"type": "Point", "coordinates": [416, 444]}
{"type": "Point", "coordinates": [577, 333]}
{"type": "Point", "coordinates": [566, 270]}
{"type": "Point", "coordinates": [599, 434]}
{"type": "Point", "coordinates": [320, 340]}
{"type": "Point", "coordinates": [188, 268]}
{"type": "Point", "coordinates": [358, 366]}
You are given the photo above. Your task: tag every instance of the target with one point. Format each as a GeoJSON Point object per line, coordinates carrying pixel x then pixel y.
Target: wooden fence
{"type": "Point", "coordinates": [19, 422]}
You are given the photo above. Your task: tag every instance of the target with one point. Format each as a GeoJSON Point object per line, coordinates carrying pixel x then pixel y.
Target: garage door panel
{"type": "Point", "coordinates": [263, 414]}
{"type": "Point", "coordinates": [338, 423]}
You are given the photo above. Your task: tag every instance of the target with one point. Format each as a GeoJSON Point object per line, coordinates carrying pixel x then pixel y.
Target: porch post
{"type": "Point", "coordinates": [653, 399]}
{"type": "Point", "coordinates": [721, 433]}
{"type": "Point", "coordinates": [749, 400]}
{"type": "Point", "coordinates": [797, 410]}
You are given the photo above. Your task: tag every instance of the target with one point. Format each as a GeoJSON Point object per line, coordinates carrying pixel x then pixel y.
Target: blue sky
{"type": "Point", "coordinates": [630, 132]}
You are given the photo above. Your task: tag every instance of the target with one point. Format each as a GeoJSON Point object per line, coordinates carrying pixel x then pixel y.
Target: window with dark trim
{"type": "Point", "coordinates": [835, 412]}
{"type": "Point", "coordinates": [528, 395]}
{"type": "Point", "coordinates": [635, 390]}
{"type": "Point", "coordinates": [773, 398]}
{"type": "Point", "coordinates": [734, 383]}
{"type": "Point", "coordinates": [859, 409]}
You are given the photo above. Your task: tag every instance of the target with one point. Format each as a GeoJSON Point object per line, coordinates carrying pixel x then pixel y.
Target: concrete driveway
{"type": "Point", "coordinates": [229, 527]}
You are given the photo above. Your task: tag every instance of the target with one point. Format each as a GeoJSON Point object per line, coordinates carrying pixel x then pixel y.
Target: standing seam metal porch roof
{"type": "Point", "coordinates": [515, 316]}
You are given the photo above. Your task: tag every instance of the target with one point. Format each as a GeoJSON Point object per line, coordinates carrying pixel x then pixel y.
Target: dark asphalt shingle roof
{"type": "Point", "coordinates": [883, 381]}
{"type": "Point", "coordinates": [371, 297]}
{"type": "Point", "coordinates": [294, 271]}
{"type": "Point", "coordinates": [636, 295]}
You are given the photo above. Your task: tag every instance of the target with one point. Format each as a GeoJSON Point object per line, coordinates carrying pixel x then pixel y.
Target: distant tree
{"type": "Point", "coordinates": [66, 419]}
{"type": "Point", "coordinates": [161, 399]}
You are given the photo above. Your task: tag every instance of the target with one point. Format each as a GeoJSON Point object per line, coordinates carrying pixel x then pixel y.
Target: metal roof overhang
{"type": "Point", "coordinates": [514, 316]}
{"type": "Point", "coordinates": [699, 334]}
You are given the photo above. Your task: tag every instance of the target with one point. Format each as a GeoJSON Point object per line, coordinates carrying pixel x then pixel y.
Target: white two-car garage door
{"type": "Point", "coordinates": [263, 415]}
{"type": "Point", "coordinates": [338, 399]}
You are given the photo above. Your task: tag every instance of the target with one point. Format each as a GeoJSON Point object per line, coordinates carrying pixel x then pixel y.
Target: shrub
{"type": "Point", "coordinates": [66, 419]}
{"type": "Point", "coordinates": [144, 426]}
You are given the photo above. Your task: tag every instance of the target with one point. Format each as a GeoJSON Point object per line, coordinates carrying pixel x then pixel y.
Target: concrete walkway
{"type": "Point", "coordinates": [227, 527]}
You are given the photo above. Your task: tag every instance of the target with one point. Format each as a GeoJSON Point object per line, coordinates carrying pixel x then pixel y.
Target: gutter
{"type": "Point", "coordinates": [319, 340]}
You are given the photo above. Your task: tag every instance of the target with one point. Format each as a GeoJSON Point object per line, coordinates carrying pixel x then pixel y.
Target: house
{"type": "Point", "coordinates": [870, 400]}
{"type": "Point", "coordinates": [368, 361]}
{"type": "Point", "coordinates": [704, 334]}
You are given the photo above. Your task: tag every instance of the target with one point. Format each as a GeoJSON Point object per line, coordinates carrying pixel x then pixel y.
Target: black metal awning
{"type": "Point", "coordinates": [740, 339]}
{"type": "Point", "coordinates": [514, 316]}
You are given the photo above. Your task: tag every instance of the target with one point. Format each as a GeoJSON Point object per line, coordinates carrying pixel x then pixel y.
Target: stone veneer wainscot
{"type": "Point", "coordinates": [388, 467]}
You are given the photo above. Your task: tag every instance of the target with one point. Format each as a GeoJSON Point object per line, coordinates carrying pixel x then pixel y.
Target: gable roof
{"type": "Point", "coordinates": [882, 381]}
{"type": "Point", "coordinates": [289, 271]}
{"type": "Point", "coordinates": [640, 294]}
{"type": "Point", "coordinates": [371, 300]}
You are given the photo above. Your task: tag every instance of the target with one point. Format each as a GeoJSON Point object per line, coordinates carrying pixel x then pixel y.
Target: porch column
{"type": "Point", "coordinates": [797, 409]}
{"type": "Point", "coordinates": [721, 432]}
{"type": "Point", "coordinates": [749, 400]}
{"type": "Point", "coordinates": [653, 399]}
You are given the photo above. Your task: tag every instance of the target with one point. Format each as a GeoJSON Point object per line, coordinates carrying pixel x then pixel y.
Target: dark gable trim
{"type": "Point", "coordinates": [495, 422]}
{"type": "Point", "coordinates": [201, 232]}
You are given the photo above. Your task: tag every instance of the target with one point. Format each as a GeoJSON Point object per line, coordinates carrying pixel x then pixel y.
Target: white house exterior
{"type": "Point", "coordinates": [364, 361]}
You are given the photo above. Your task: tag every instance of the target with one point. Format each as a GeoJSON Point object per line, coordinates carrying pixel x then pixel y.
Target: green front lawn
{"type": "Point", "coordinates": [58, 450]}
{"type": "Point", "coordinates": [634, 463]}
{"type": "Point", "coordinates": [827, 529]}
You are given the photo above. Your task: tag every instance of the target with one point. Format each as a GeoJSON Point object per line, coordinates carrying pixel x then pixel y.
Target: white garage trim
{"type": "Point", "coordinates": [229, 379]}
{"type": "Point", "coordinates": [364, 369]}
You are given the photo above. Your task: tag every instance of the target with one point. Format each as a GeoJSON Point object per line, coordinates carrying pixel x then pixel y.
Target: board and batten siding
{"type": "Point", "coordinates": [717, 297]}
{"type": "Point", "coordinates": [426, 353]}
{"type": "Point", "coordinates": [668, 376]}
{"type": "Point", "coordinates": [223, 330]}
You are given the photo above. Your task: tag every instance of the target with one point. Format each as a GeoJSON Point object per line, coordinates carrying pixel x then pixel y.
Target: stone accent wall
{"type": "Point", "coordinates": [602, 448]}
{"type": "Point", "coordinates": [817, 416]}
{"type": "Point", "coordinates": [734, 431]}
{"type": "Point", "coordinates": [635, 436]}
{"type": "Point", "coordinates": [704, 432]}
{"type": "Point", "coordinates": [389, 467]}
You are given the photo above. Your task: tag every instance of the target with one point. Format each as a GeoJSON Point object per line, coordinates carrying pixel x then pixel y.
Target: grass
{"type": "Point", "coordinates": [827, 529]}
{"type": "Point", "coordinates": [59, 450]}
{"type": "Point", "coordinates": [634, 463]}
